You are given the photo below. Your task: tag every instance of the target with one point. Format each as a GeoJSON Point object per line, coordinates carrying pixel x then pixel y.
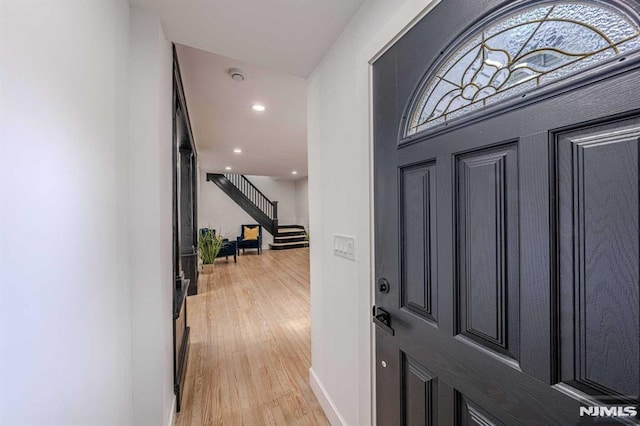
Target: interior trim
{"type": "Point", "coordinates": [329, 408]}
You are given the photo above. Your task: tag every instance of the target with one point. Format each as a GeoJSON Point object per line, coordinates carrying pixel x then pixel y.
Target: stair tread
{"type": "Point", "coordinates": [281, 229]}
{"type": "Point", "coordinates": [290, 247]}
{"type": "Point", "coordinates": [289, 244]}
{"type": "Point", "coordinates": [289, 237]}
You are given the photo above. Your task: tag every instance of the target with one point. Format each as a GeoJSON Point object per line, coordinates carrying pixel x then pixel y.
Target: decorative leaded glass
{"type": "Point", "coordinates": [520, 52]}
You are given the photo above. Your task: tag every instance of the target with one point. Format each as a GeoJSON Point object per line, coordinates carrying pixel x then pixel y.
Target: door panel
{"type": "Point", "coordinates": [598, 257]}
{"type": "Point", "coordinates": [510, 245]}
{"type": "Point", "coordinates": [420, 391]}
{"type": "Point", "coordinates": [418, 215]}
{"type": "Point", "coordinates": [487, 247]}
{"type": "Point", "coordinates": [470, 414]}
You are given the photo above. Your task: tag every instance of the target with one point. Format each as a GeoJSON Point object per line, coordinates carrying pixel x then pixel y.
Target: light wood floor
{"type": "Point", "coordinates": [250, 344]}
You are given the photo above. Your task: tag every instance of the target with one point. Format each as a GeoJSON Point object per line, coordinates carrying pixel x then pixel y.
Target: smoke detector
{"type": "Point", "coordinates": [236, 74]}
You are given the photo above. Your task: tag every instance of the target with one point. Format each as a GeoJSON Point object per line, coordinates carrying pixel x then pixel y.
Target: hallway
{"type": "Point", "coordinates": [250, 344]}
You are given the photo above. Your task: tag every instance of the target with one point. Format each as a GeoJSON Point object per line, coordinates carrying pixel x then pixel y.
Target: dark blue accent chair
{"type": "Point", "coordinates": [203, 231]}
{"type": "Point", "coordinates": [250, 244]}
{"type": "Point", "coordinates": [229, 248]}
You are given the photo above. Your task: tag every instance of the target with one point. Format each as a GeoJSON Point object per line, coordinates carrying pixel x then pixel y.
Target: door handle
{"type": "Point", "coordinates": [382, 319]}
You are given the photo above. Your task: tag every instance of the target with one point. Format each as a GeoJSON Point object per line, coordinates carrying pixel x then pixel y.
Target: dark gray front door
{"type": "Point", "coordinates": [506, 233]}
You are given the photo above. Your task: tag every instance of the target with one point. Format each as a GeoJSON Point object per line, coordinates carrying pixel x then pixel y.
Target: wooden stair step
{"type": "Point", "coordinates": [287, 230]}
{"type": "Point", "coordinates": [292, 245]}
{"type": "Point", "coordinates": [301, 239]}
{"type": "Point", "coordinates": [289, 237]}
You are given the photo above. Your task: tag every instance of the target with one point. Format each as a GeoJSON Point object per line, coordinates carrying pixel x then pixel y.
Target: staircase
{"type": "Point", "coordinates": [289, 237]}
{"type": "Point", "coordinates": [247, 196]}
{"type": "Point", "coordinates": [261, 209]}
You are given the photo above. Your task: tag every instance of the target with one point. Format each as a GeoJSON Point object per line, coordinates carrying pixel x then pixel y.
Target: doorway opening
{"type": "Point", "coordinates": [248, 248]}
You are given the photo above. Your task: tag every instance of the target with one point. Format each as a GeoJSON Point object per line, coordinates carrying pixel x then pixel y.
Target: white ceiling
{"type": "Point", "coordinates": [273, 143]}
{"type": "Point", "coordinates": [290, 36]}
{"type": "Point", "coordinates": [277, 43]}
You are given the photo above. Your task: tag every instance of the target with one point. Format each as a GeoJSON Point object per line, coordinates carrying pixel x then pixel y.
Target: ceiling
{"type": "Point", "coordinates": [273, 142]}
{"type": "Point", "coordinates": [277, 43]}
{"type": "Point", "coordinates": [289, 36]}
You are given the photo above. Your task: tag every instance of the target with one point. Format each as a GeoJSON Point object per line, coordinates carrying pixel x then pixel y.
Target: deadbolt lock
{"type": "Point", "coordinates": [383, 285]}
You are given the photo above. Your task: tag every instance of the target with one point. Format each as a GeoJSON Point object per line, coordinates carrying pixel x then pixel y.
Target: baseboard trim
{"type": "Point", "coordinates": [172, 413]}
{"type": "Point", "coordinates": [329, 408]}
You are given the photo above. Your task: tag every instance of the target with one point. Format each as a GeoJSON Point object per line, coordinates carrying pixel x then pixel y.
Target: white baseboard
{"type": "Point", "coordinates": [172, 413]}
{"type": "Point", "coordinates": [330, 410]}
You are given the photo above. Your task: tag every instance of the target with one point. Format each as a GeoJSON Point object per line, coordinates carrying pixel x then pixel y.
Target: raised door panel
{"type": "Point", "coordinates": [487, 248]}
{"type": "Point", "coordinates": [418, 222]}
{"type": "Point", "coordinates": [599, 268]}
{"type": "Point", "coordinates": [420, 394]}
{"type": "Point", "coordinates": [469, 413]}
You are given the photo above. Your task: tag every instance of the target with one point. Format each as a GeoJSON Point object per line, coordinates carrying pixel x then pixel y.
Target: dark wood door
{"type": "Point", "coordinates": [506, 241]}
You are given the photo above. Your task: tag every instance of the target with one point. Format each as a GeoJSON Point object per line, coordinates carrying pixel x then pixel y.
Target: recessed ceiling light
{"type": "Point", "coordinates": [227, 168]}
{"type": "Point", "coordinates": [294, 172]}
{"type": "Point", "coordinates": [237, 151]}
{"type": "Point", "coordinates": [258, 107]}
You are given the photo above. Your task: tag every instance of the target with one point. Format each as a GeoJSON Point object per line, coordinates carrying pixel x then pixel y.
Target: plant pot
{"type": "Point", "coordinates": [207, 268]}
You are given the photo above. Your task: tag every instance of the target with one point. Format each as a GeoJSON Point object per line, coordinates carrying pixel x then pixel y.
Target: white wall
{"type": "Point", "coordinates": [339, 155]}
{"type": "Point", "coordinates": [282, 191]}
{"type": "Point", "coordinates": [85, 214]}
{"type": "Point", "coordinates": [65, 296]}
{"type": "Point", "coordinates": [150, 219]}
{"type": "Point", "coordinates": [302, 202]}
{"type": "Point", "coordinates": [216, 210]}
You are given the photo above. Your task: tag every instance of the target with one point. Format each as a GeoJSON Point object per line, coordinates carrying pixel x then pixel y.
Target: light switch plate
{"type": "Point", "coordinates": [344, 246]}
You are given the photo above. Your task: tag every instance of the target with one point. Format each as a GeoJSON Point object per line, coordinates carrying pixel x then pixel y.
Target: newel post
{"type": "Point", "coordinates": [274, 219]}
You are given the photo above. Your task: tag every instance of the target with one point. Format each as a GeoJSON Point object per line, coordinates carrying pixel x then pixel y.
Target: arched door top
{"type": "Point", "coordinates": [526, 48]}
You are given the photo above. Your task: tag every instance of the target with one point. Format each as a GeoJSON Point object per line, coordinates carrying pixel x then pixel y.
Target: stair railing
{"type": "Point", "coordinates": [244, 185]}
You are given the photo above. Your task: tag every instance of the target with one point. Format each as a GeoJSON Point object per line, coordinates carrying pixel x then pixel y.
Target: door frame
{"type": "Point", "coordinates": [398, 25]}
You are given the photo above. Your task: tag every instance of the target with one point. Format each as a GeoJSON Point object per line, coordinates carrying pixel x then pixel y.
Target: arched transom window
{"type": "Point", "coordinates": [528, 48]}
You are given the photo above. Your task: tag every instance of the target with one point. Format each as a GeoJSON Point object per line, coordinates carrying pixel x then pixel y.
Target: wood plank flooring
{"type": "Point", "coordinates": [251, 344]}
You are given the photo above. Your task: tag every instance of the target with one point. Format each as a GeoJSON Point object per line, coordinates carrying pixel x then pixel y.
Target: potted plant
{"type": "Point", "coordinates": [209, 245]}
